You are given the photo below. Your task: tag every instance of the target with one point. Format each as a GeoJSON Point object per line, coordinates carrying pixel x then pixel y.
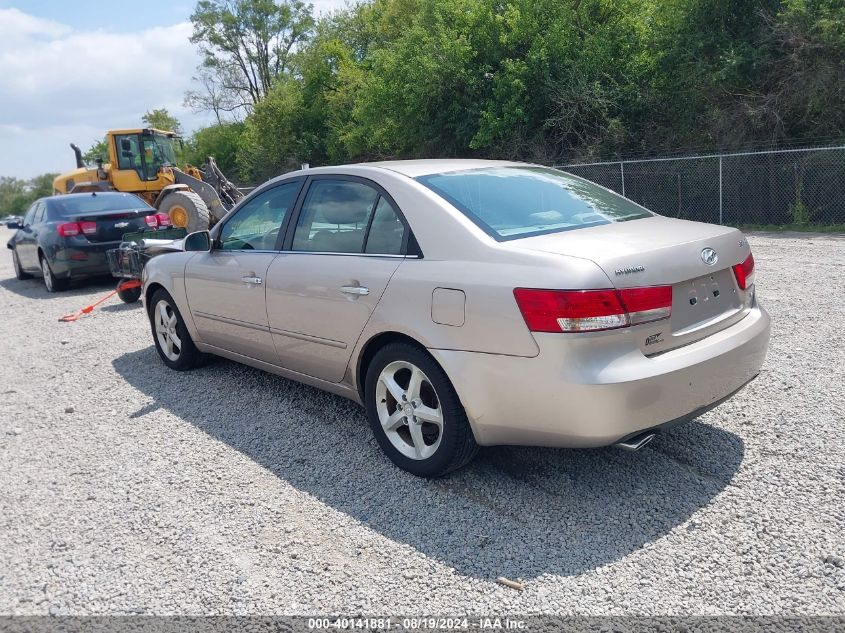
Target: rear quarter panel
{"type": "Point", "coordinates": [493, 323]}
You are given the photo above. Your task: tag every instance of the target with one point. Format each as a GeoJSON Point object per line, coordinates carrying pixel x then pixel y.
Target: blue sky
{"type": "Point", "coordinates": [111, 16]}
{"type": "Point", "coordinates": [73, 69]}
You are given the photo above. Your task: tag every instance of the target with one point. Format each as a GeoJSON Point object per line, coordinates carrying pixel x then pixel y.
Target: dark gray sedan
{"type": "Point", "coordinates": [63, 238]}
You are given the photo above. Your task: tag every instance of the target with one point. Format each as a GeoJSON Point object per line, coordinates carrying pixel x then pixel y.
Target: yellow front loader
{"type": "Point", "coordinates": [143, 162]}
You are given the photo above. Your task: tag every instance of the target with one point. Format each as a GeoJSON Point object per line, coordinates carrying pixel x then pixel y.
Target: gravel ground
{"type": "Point", "coordinates": [128, 488]}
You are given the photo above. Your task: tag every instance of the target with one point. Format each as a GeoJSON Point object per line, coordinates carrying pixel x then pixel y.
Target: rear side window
{"type": "Point", "coordinates": [387, 233]}
{"type": "Point", "coordinates": [514, 202]}
{"type": "Point", "coordinates": [38, 218]}
{"type": "Point", "coordinates": [334, 217]}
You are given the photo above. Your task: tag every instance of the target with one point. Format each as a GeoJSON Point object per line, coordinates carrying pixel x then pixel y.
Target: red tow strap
{"type": "Point", "coordinates": [125, 285]}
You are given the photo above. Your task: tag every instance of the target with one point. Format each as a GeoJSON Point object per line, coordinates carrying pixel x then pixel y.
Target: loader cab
{"type": "Point", "coordinates": [138, 156]}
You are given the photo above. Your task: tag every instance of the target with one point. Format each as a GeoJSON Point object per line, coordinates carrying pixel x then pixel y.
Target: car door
{"type": "Point", "coordinates": [26, 239]}
{"type": "Point", "coordinates": [225, 287]}
{"type": "Point", "coordinates": [322, 289]}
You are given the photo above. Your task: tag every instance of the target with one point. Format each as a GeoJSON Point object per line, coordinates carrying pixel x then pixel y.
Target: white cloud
{"type": "Point", "coordinates": [62, 85]}
{"type": "Point", "coordinates": [59, 82]}
{"type": "Point", "coordinates": [15, 24]}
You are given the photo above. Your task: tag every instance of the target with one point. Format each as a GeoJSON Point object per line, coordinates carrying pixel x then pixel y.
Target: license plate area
{"type": "Point", "coordinates": [702, 301]}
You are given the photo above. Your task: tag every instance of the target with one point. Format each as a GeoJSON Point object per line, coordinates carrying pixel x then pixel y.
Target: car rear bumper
{"type": "Point", "coordinates": [82, 260]}
{"type": "Point", "coordinates": [594, 390]}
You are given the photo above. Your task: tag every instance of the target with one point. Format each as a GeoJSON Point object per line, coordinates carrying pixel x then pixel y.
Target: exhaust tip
{"type": "Point", "coordinates": [635, 443]}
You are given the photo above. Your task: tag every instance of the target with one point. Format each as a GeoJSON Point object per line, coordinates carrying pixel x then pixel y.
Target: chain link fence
{"type": "Point", "coordinates": [785, 187]}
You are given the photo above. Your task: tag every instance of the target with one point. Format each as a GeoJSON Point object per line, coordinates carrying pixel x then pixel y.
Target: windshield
{"type": "Point", "coordinates": [158, 152]}
{"type": "Point", "coordinates": [514, 202]}
{"type": "Point", "coordinates": [93, 203]}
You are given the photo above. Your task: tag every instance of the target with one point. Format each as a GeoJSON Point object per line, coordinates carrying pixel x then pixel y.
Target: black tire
{"type": "Point", "coordinates": [19, 273]}
{"type": "Point", "coordinates": [188, 356]}
{"type": "Point", "coordinates": [130, 295]}
{"type": "Point", "coordinates": [197, 212]}
{"type": "Point", "coordinates": [457, 444]}
{"type": "Point", "coordinates": [51, 282]}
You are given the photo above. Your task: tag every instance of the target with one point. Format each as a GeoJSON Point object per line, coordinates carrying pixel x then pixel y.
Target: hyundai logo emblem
{"type": "Point", "coordinates": [709, 257]}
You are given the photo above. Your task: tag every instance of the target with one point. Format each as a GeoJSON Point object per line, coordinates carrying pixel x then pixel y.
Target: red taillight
{"type": "Point", "coordinates": [157, 220]}
{"type": "Point", "coordinates": [744, 273]}
{"type": "Point", "coordinates": [68, 229]}
{"type": "Point", "coordinates": [591, 310]}
{"type": "Point", "coordinates": [647, 304]}
{"type": "Point", "coordinates": [88, 228]}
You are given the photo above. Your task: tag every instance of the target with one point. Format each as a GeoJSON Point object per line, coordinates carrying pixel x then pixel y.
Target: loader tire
{"type": "Point", "coordinates": [186, 210]}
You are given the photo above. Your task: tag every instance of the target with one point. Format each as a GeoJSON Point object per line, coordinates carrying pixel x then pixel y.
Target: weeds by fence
{"type": "Point", "coordinates": [803, 187]}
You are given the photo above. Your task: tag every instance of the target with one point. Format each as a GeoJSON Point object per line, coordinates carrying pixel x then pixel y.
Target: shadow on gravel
{"type": "Point", "coordinates": [120, 306]}
{"type": "Point", "coordinates": [514, 512]}
{"type": "Point", "coordinates": [34, 288]}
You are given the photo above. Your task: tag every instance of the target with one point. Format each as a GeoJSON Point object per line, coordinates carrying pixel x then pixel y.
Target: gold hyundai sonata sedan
{"type": "Point", "coordinates": [469, 303]}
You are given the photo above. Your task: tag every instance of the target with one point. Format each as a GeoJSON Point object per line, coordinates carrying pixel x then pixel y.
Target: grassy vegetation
{"type": "Point", "coordinates": [784, 228]}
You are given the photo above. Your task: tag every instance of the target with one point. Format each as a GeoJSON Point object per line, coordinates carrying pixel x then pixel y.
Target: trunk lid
{"type": "Point", "coordinates": [659, 251]}
{"type": "Point", "coordinates": [111, 225]}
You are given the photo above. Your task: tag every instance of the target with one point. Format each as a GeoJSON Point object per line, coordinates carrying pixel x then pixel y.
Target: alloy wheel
{"type": "Point", "coordinates": [165, 327]}
{"type": "Point", "coordinates": [47, 274]}
{"type": "Point", "coordinates": [409, 410]}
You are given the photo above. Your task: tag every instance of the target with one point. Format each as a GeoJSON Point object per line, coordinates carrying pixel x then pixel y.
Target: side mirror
{"type": "Point", "coordinates": [198, 242]}
{"type": "Point", "coordinates": [14, 224]}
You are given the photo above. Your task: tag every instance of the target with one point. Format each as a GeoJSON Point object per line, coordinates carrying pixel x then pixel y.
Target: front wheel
{"type": "Point", "coordinates": [172, 340]}
{"type": "Point", "coordinates": [415, 413]}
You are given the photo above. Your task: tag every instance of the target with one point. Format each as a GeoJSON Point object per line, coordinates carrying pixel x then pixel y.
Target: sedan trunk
{"type": "Point", "coordinates": [111, 225]}
{"type": "Point", "coordinates": [659, 251]}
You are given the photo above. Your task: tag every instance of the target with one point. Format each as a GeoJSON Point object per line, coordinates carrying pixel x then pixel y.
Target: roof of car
{"type": "Point", "coordinates": [91, 193]}
{"type": "Point", "coordinates": [87, 194]}
{"type": "Point", "coordinates": [423, 167]}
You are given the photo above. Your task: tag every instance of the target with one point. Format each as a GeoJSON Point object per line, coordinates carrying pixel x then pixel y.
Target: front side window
{"type": "Point", "coordinates": [515, 202]}
{"type": "Point", "coordinates": [256, 225]}
{"type": "Point", "coordinates": [334, 217]}
{"type": "Point", "coordinates": [158, 153]}
{"type": "Point", "coordinates": [30, 214]}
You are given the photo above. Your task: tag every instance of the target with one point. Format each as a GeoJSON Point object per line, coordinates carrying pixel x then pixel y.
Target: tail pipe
{"type": "Point", "coordinates": [78, 153]}
{"type": "Point", "coordinates": [635, 443]}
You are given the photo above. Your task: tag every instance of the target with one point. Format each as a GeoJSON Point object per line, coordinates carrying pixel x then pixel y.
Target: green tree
{"type": "Point", "coordinates": [100, 150]}
{"type": "Point", "coordinates": [17, 194]}
{"type": "Point", "coordinates": [246, 45]}
{"type": "Point", "coordinates": [221, 141]}
{"type": "Point", "coordinates": [161, 119]}
{"type": "Point", "coordinates": [545, 80]}
{"type": "Point", "coordinates": [272, 134]}
{"type": "Point", "coordinates": [13, 196]}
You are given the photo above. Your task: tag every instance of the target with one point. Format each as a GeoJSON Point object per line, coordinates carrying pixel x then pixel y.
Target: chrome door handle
{"type": "Point", "coordinates": [355, 290]}
{"type": "Point", "coordinates": [252, 280]}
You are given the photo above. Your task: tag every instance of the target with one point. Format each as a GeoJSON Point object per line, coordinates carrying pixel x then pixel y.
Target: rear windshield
{"type": "Point", "coordinates": [94, 203]}
{"type": "Point", "coordinates": [513, 202]}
